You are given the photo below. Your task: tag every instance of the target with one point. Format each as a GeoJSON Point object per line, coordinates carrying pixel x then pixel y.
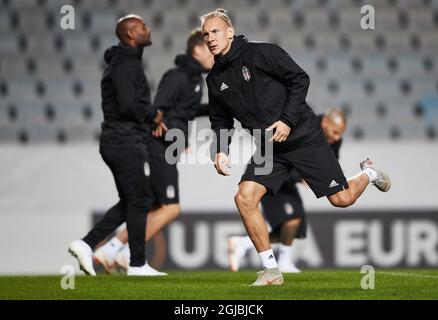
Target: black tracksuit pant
{"type": "Point", "coordinates": [130, 168]}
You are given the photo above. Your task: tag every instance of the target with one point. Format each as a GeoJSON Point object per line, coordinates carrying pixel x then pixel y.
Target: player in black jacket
{"type": "Point", "coordinates": [262, 87]}
{"type": "Point", "coordinates": [285, 211]}
{"type": "Point", "coordinates": [128, 118]}
{"type": "Point", "coordinates": [179, 98]}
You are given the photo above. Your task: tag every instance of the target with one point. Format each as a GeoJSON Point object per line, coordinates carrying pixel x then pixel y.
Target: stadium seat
{"type": "Point", "coordinates": [73, 42]}
{"type": "Point", "coordinates": [33, 21]}
{"type": "Point", "coordinates": [95, 4]}
{"type": "Point", "coordinates": [6, 109]}
{"type": "Point", "coordinates": [421, 20]}
{"type": "Point", "coordinates": [304, 4]}
{"type": "Point", "coordinates": [340, 65]}
{"type": "Point", "coordinates": [50, 68]}
{"type": "Point", "coordinates": [87, 68]}
{"type": "Point", "coordinates": [22, 90]}
{"type": "Point", "coordinates": [317, 20]}
{"type": "Point", "coordinates": [281, 21]}
{"type": "Point", "coordinates": [104, 21]}
{"type": "Point", "coordinates": [31, 113]}
{"type": "Point", "coordinates": [31, 45]}
{"type": "Point", "coordinates": [376, 65]}
{"type": "Point", "coordinates": [9, 44]}
{"type": "Point", "coordinates": [409, 4]}
{"type": "Point", "coordinates": [5, 22]}
{"type": "Point", "coordinates": [411, 65]}
{"type": "Point", "coordinates": [399, 42]}
{"type": "Point", "coordinates": [376, 74]}
{"type": "Point", "coordinates": [246, 20]}
{"type": "Point", "coordinates": [363, 43]}
{"type": "Point", "coordinates": [429, 42]}
{"type": "Point", "coordinates": [24, 4]}
{"type": "Point", "coordinates": [387, 19]}
{"type": "Point", "coordinates": [10, 65]}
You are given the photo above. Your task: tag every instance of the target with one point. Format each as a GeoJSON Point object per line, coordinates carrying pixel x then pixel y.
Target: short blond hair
{"type": "Point", "coordinates": [219, 13]}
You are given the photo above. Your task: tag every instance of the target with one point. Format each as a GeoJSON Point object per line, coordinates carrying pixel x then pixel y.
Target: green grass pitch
{"type": "Point", "coordinates": [223, 285]}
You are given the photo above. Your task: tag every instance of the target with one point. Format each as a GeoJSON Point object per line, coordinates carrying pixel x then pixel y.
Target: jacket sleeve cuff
{"type": "Point", "coordinates": [289, 122]}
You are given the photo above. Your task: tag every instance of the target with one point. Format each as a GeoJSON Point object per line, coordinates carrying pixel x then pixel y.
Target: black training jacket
{"type": "Point", "coordinates": [179, 93]}
{"type": "Point", "coordinates": [126, 98]}
{"type": "Point", "coordinates": [259, 84]}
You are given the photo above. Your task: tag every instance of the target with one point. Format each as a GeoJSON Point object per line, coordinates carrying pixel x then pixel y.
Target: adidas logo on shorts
{"type": "Point", "coordinates": [333, 184]}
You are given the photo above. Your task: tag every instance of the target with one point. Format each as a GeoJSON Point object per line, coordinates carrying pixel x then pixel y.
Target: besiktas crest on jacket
{"type": "Point", "coordinates": [246, 74]}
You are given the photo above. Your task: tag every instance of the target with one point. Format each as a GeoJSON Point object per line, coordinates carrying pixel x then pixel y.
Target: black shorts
{"type": "Point", "coordinates": [315, 161]}
{"type": "Point", "coordinates": [284, 206]}
{"type": "Point", "coordinates": [164, 176]}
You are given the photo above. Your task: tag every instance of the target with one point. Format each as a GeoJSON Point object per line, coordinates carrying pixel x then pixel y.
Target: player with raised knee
{"type": "Point", "coordinates": [265, 90]}
{"type": "Point", "coordinates": [285, 211]}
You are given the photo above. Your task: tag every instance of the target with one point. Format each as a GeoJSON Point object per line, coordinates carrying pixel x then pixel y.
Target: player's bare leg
{"type": "Point", "coordinates": [156, 221]}
{"type": "Point", "coordinates": [238, 246]}
{"type": "Point", "coordinates": [116, 249]}
{"type": "Point", "coordinates": [359, 183]}
{"type": "Point", "coordinates": [289, 230]}
{"type": "Point", "coordinates": [356, 186]}
{"type": "Point", "coordinates": [247, 200]}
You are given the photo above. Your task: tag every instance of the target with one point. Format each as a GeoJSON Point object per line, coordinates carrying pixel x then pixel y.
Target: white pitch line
{"type": "Point", "coordinates": [403, 274]}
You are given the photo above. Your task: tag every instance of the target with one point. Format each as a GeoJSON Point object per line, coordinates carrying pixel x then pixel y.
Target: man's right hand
{"type": "Point", "coordinates": [158, 118]}
{"type": "Point", "coordinates": [159, 130]}
{"type": "Point", "coordinates": [222, 164]}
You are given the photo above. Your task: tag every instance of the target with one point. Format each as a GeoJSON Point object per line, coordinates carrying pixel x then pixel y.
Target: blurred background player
{"type": "Point", "coordinates": [128, 118]}
{"type": "Point", "coordinates": [179, 98]}
{"type": "Point", "coordinates": [284, 210]}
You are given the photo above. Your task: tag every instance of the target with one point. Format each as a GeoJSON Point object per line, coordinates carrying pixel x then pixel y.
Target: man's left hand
{"type": "Point", "coordinates": [282, 131]}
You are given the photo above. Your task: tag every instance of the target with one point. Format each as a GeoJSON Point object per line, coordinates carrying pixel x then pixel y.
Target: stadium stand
{"type": "Point", "coordinates": [385, 78]}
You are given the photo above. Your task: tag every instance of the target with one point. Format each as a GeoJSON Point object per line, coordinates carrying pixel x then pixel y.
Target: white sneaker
{"type": "Point", "coordinates": [104, 259]}
{"type": "Point", "coordinates": [236, 252]}
{"type": "Point", "coordinates": [82, 251]}
{"type": "Point", "coordinates": [145, 271]}
{"type": "Point", "coordinates": [269, 277]}
{"type": "Point", "coordinates": [122, 260]}
{"type": "Point", "coordinates": [288, 267]}
{"type": "Point", "coordinates": [383, 182]}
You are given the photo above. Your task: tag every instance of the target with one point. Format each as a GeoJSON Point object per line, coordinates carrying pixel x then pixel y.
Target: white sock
{"type": "Point", "coordinates": [125, 251]}
{"type": "Point", "coordinates": [268, 259]}
{"type": "Point", "coordinates": [372, 174]}
{"type": "Point", "coordinates": [246, 243]}
{"type": "Point", "coordinates": [112, 247]}
{"type": "Point", "coordinates": [285, 254]}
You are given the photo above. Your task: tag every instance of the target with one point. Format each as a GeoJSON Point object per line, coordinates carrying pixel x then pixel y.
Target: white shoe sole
{"type": "Point", "coordinates": [80, 263]}
{"type": "Point", "coordinates": [275, 282]}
